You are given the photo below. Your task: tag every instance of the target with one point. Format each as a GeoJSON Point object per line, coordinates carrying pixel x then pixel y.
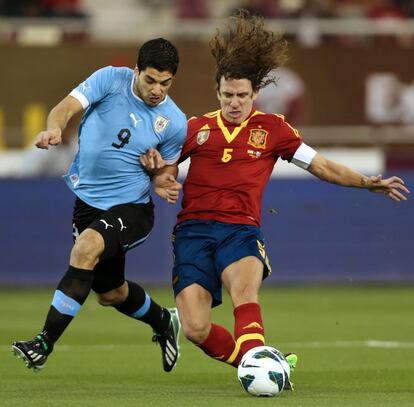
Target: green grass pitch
{"type": "Point", "coordinates": [355, 347]}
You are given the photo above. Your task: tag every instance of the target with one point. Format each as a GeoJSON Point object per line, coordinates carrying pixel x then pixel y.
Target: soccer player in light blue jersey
{"type": "Point", "coordinates": [125, 113]}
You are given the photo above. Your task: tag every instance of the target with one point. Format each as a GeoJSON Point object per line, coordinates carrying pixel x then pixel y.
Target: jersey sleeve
{"type": "Point", "coordinates": [170, 148]}
{"type": "Point", "coordinates": [94, 88]}
{"type": "Point", "coordinates": [288, 140]}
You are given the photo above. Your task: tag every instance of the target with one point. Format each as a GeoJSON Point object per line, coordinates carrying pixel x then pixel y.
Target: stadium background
{"type": "Point", "coordinates": [315, 232]}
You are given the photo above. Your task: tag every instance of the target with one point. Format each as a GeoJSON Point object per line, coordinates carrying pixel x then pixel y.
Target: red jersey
{"type": "Point", "coordinates": [231, 165]}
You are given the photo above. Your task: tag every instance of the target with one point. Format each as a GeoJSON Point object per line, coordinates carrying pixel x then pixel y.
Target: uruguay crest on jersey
{"type": "Point", "coordinates": [160, 124]}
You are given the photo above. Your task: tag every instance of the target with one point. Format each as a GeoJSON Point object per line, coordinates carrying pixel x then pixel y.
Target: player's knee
{"type": "Point", "coordinates": [196, 332]}
{"type": "Point", "coordinates": [108, 299]}
{"type": "Point", "coordinates": [86, 251]}
{"type": "Point", "coordinates": [244, 294]}
{"type": "Point", "coordinates": [114, 297]}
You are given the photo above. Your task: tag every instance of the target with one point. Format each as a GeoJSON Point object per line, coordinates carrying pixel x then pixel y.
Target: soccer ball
{"type": "Point", "coordinates": [263, 371]}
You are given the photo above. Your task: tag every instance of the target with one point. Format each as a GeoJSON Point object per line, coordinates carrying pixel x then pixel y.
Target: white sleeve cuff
{"type": "Point", "coordinates": [303, 156]}
{"type": "Point", "coordinates": [81, 97]}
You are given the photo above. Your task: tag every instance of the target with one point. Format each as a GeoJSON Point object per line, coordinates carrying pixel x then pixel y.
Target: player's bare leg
{"type": "Point", "coordinates": [194, 306]}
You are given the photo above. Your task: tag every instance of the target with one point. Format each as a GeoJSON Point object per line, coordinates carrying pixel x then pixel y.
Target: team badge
{"type": "Point", "coordinates": [160, 124]}
{"type": "Point", "coordinates": [202, 136]}
{"type": "Point", "coordinates": [257, 138]}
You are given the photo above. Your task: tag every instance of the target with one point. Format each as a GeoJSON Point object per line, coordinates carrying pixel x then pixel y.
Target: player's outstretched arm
{"type": "Point", "coordinates": [57, 120]}
{"type": "Point", "coordinates": [330, 171]}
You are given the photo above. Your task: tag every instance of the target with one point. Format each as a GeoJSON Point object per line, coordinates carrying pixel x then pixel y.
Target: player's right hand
{"type": "Point", "coordinates": [167, 187]}
{"type": "Point", "coordinates": [152, 160]}
{"type": "Point", "coordinates": [48, 138]}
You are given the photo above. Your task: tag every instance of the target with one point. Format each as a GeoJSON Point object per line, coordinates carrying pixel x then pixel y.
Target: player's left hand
{"type": "Point", "coordinates": [167, 187]}
{"type": "Point", "coordinates": [393, 187]}
{"type": "Point", "coordinates": [152, 160]}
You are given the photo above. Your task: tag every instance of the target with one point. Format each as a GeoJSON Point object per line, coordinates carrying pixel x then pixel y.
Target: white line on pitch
{"type": "Point", "coordinates": [370, 343]}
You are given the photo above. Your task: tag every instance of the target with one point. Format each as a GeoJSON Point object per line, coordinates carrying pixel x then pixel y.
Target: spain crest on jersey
{"type": "Point", "coordinates": [203, 135]}
{"type": "Point", "coordinates": [257, 138]}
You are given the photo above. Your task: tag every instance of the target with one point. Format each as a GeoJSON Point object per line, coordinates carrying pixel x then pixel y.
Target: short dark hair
{"type": "Point", "coordinates": [160, 54]}
{"type": "Point", "coordinates": [246, 50]}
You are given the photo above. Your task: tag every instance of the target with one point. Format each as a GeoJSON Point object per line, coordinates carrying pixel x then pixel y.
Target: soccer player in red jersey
{"type": "Point", "coordinates": [217, 240]}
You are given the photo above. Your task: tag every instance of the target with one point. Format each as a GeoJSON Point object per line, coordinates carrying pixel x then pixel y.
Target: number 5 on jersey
{"type": "Point", "coordinates": [227, 155]}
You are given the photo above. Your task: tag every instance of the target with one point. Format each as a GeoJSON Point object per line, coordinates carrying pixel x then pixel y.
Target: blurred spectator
{"type": "Point", "coordinates": [191, 9]}
{"type": "Point", "coordinates": [309, 34]}
{"type": "Point", "coordinates": [316, 9]}
{"type": "Point", "coordinates": [262, 8]}
{"type": "Point", "coordinates": [407, 7]}
{"type": "Point", "coordinates": [388, 9]}
{"type": "Point", "coordinates": [291, 8]}
{"type": "Point", "coordinates": [349, 8]}
{"type": "Point", "coordinates": [41, 8]}
{"type": "Point", "coordinates": [286, 96]}
{"type": "Point", "coordinates": [21, 8]}
{"type": "Point", "coordinates": [62, 8]}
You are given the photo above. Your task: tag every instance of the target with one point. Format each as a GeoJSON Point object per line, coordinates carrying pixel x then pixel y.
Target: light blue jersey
{"type": "Point", "coordinates": [118, 127]}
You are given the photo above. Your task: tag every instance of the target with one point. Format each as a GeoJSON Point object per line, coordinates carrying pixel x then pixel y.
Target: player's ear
{"type": "Point", "coordinates": [218, 90]}
{"type": "Point", "coordinates": [218, 93]}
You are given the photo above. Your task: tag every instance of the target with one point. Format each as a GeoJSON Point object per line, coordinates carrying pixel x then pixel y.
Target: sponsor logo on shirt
{"type": "Point", "coordinates": [160, 124]}
{"type": "Point", "coordinates": [254, 154]}
{"type": "Point", "coordinates": [134, 119]}
{"type": "Point", "coordinates": [85, 86]}
{"type": "Point", "coordinates": [258, 138]}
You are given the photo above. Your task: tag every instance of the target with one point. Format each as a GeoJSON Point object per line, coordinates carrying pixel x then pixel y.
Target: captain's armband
{"type": "Point", "coordinates": [303, 156]}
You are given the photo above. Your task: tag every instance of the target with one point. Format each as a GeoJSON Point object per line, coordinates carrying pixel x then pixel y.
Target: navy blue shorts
{"type": "Point", "coordinates": [203, 249]}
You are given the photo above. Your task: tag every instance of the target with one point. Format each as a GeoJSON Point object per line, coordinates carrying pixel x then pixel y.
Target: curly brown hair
{"type": "Point", "coordinates": [246, 50]}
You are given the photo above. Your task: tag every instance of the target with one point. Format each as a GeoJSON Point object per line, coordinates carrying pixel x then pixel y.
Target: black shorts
{"type": "Point", "coordinates": [122, 228]}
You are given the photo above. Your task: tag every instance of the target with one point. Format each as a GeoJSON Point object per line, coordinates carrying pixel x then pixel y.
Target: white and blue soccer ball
{"type": "Point", "coordinates": [263, 371]}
